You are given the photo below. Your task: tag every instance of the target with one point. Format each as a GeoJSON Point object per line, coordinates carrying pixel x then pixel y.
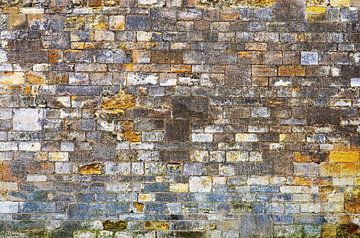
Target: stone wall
{"type": "Point", "coordinates": [179, 118]}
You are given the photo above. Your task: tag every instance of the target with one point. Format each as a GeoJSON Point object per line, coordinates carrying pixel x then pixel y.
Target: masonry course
{"type": "Point", "coordinates": [179, 118]}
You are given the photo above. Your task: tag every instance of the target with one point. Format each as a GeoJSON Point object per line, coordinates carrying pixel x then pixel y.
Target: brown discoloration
{"type": "Point", "coordinates": [6, 173]}
{"type": "Point", "coordinates": [167, 57]}
{"type": "Point", "coordinates": [92, 169]}
{"type": "Point", "coordinates": [323, 116]}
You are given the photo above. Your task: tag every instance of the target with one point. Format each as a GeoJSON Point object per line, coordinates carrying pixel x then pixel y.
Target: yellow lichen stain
{"type": "Point", "coordinates": [139, 207]}
{"type": "Point", "coordinates": [234, 3]}
{"type": "Point", "coordinates": [77, 22]}
{"type": "Point", "coordinates": [303, 181]}
{"type": "Point", "coordinates": [330, 169]}
{"type": "Point", "coordinates": [118, 103]}
{"type": "Point", "coordinates": [98, 22]}
{"type": "Point", "coordinates": [349, 169]}
{"type": "Point", "coordinates": [340, 3]}
{"type": "Point", "coordinates": [92, 169]}
{"type": "Point", "coordinates": [315, 3]}
{"type": "Point", "coordinates": [298, 157]}
{"type": "Point", "coordinates": [314, 13]}
{"type": "Point", "coordinates": [343, 162]}
{"type": "Point", "coordinates": [156, 225]}
{"type": "Point", "coordinates": [132, 136]}
{"type": "Point", "coordinates": [344, 155]}
{"type": "Point", "coordinates": [328, 231]}
{"type": "Point", "coordinates": [128, 67]}
{"type": "Point", "coordinates": [128, 132]}
{"type": "Point", "coordinates": [261, 3]}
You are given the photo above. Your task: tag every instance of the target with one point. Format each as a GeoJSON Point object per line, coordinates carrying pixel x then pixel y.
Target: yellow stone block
{"type": "Point", "coordinates": [302, 181]}
{"type": "Point", "coordinates": [12, 78]}
{"type": "Point", "coordinates": [340, 3]}
{"type": "Point", "coordinates": [314, 13]}
{"type": "Point", "coordinates": [179, 188]}
{"type": "Point", "coordinates": [343, 156]}
{"type": "Point", "coordinates": [145, 197]}
{"type": "Point", "coordinates": [58, 156]}
{"type": "Point", "coordinates": [328, 231]}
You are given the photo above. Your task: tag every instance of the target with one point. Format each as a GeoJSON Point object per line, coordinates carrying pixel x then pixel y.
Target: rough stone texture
{"type": "Point", "coordinates": [179, 118]}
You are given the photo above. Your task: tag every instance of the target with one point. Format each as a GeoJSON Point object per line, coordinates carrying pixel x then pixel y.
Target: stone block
{"type": "Point", "coordinates": [200, 184]}
{"type": "Point", "coordinates": [28, 119]}
{"type": "Point", "coordinates": [309, 58]}
{"type": "Point", "coordinates": [137, 23]}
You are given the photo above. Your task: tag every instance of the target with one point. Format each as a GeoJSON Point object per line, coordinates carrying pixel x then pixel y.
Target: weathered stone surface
{"type": "Point", "coordinates": [28, 119]}
{"type": "Point", "coordinates": [170, 118]}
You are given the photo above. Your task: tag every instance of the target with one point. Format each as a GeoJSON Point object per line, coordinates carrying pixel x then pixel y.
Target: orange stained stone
{"type": "Point", "coordinates": [298, 157]}
{"type": "Point", "coordinates": [54, 56]}
{"type": "Point", "coordinates": [291, 70]}
{"type": "Point", "coordinates": [118, 103]}
{"type": "Point", "coordinates": [303, 181]}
